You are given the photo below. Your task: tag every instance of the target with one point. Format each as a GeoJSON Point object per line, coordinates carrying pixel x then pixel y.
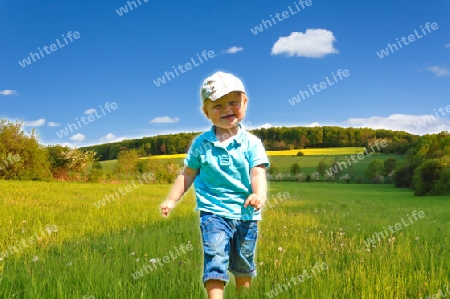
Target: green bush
{"type": "Point", "coordinates": [426, 178]}
{"type": "Point", "coordinates": [403, 176]}
{"type": "Point", "coordinates": [444, 181]}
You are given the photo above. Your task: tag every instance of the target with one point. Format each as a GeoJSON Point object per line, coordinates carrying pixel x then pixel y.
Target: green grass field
{"type": "Point", "coordinates": [308, 163]}
{"type": "Point", "coordinates": [95, 252]}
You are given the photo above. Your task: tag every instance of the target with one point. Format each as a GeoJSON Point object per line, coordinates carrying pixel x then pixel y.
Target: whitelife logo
{"type": "Point", "coordinates": [24, 243]}
{"type": "Point", "coordinates": [323, 85]}
{"type": "Point", "coordinates": [281, 16]}
{"type": "Point", "coordinates": [334, 170]}
{"type": "Point", "coordinates": [393, 229]}
{"type": "Point", "coordinates": [411, 38]}
{"type": "Point", "coordinates": [187, 67]}
{"type": "Point", "coordinates": [71, 36]}
{"type": "Point", "coordinates": [124, 9]}
{"type": "Point", "coordinates": [90, 118]}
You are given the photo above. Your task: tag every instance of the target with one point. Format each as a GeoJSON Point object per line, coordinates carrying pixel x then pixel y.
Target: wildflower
{"type": "Point", "coordinates": [152, 261]}
{"type": "Point", "coordinates": [261, 263]}
{"type": "Point", "coordinates": [35, 259]}
{"type": "Point", "coordinates": [133, 253]}
{"type": "Point", "coordinates": [24, 221]}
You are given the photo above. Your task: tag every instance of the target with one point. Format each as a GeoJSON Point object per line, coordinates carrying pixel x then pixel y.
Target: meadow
{"type": "Point", "coordinates": [281, 161]}
{"type": "Point", "coordinates": [66, 246]}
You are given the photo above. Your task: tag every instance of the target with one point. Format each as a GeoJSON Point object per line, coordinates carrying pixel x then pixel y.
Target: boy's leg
{"type": "Point", "coordinates": [216, 234]}
{"type": "Point", "coordinates": [243, 281]}
{"type": "Point", "coordinates": [214, 289]}
{"type": "Point", "coordinates": [242, 253]}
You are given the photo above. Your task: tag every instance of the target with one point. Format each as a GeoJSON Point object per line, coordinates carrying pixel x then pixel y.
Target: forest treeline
{"type": "Point", "coordinates": [426, 169]}
{"type": "Point", "coordinates": [274, 138]}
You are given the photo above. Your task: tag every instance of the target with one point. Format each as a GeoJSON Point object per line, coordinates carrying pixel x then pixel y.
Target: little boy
{"type": "Point", "coordinates": [227, 165]}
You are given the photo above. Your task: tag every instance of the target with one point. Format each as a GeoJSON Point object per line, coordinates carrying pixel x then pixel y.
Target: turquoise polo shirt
{"type": "Point", "coordinates": [223, 182]}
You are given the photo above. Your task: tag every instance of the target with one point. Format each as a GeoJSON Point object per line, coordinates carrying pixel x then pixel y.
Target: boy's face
{"type": "Point", "coordinates": [227, 111]}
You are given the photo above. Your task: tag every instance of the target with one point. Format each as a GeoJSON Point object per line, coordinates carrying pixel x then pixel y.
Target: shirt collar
{"type": "Point", "coordinates": [211, 135]}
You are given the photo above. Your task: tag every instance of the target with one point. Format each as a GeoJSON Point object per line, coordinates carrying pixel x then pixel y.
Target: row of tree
{"type": "Point", "coordinates": [275, 138]}
{"type": "Point", "coordinates": [426, 169]}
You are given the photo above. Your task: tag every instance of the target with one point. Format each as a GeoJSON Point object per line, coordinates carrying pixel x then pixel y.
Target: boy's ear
{"type": "Point", "coordinates": [245, 100]}
{"type": "Point", "coordinates": [205, 111]}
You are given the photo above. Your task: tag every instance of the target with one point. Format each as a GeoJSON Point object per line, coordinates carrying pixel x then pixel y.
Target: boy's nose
{"type": "Point", "coordinates": [226, 107]}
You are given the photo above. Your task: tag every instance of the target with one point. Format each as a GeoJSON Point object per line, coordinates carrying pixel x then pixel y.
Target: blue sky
{"type": "Point", "coordinates": [114, 57]}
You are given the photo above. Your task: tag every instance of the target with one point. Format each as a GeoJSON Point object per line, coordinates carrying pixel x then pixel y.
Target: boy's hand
{"type": "Point", "coordinates": [255, 201]}
{"type": "Point", "coordinates": [167, 206]}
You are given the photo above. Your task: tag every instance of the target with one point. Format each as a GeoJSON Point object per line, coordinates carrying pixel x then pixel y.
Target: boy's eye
{"type": "Point", "coordinates": [216, 106]}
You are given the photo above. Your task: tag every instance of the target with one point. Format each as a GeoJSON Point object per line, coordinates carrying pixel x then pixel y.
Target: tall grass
{"type": "Point", "coordinates": [96, 251]}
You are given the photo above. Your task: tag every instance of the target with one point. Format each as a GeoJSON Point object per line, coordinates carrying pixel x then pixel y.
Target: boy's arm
{"type": "Point", "coordinates": [181, 185]}
{"type": "Point", "coordinates": [259, 187]}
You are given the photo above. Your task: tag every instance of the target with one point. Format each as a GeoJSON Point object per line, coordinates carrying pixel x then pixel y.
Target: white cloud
{"type": "Point", "coordinates": [8, 92]}
{"type": "Point", "coordinates": [164, 120]}
{"type": "Point", "coordinates": [313, 124]}
{"type": "Point", "coordinates": [110, 137]}
{"type": "Point", "coordinates": [248, 126]}
{"type": "Point", "coordinates": [313, 43]}
{"type": "Point", "coordinates": [78, 137]}
{"type": "Point", "coordinates": [90, 111]}
{"type": "Point", "coordinates": [447, 45]}
{"type": "Point", "coordinates": [414, 124]}
{"type": "Point", "coordinates": [438, 71]}
{"type": "Point", "coordinates": [234, 49]}
{"type": "Point", "coordinates": [266, 125]}
{"type": "Point", "coordinates": [53, 124]}
{"type": "Point", "coordinates": [34, 123]}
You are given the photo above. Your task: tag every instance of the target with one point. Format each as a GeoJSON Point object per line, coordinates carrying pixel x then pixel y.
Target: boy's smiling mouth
{"type": "Point", "coordinates": [228, 117]}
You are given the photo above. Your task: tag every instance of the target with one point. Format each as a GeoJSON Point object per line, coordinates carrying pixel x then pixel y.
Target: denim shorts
{"type": "Point", "coordinates": [227, 245]}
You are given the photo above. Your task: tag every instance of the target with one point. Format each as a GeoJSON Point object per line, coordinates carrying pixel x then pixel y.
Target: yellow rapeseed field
{"type": "Point", "coordinates": [306, 152]}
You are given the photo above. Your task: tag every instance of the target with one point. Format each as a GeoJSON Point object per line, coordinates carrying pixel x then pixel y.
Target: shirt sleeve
{"type": "Point", "coordinates": [192, 159]}
{"type": "Point", "coordinates": [257, 153]}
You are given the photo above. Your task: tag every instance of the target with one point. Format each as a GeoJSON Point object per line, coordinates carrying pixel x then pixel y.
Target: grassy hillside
{"type": "Point", "coordinates": [309, 164]}
{"type": "Point", "coordinates": [101, 250]}
{"type": "Point", "coordinates": [282, 160]}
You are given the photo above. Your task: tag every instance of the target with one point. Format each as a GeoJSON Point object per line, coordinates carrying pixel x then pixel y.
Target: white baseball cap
{"type": "Point", "coordinates": [218, 85]}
